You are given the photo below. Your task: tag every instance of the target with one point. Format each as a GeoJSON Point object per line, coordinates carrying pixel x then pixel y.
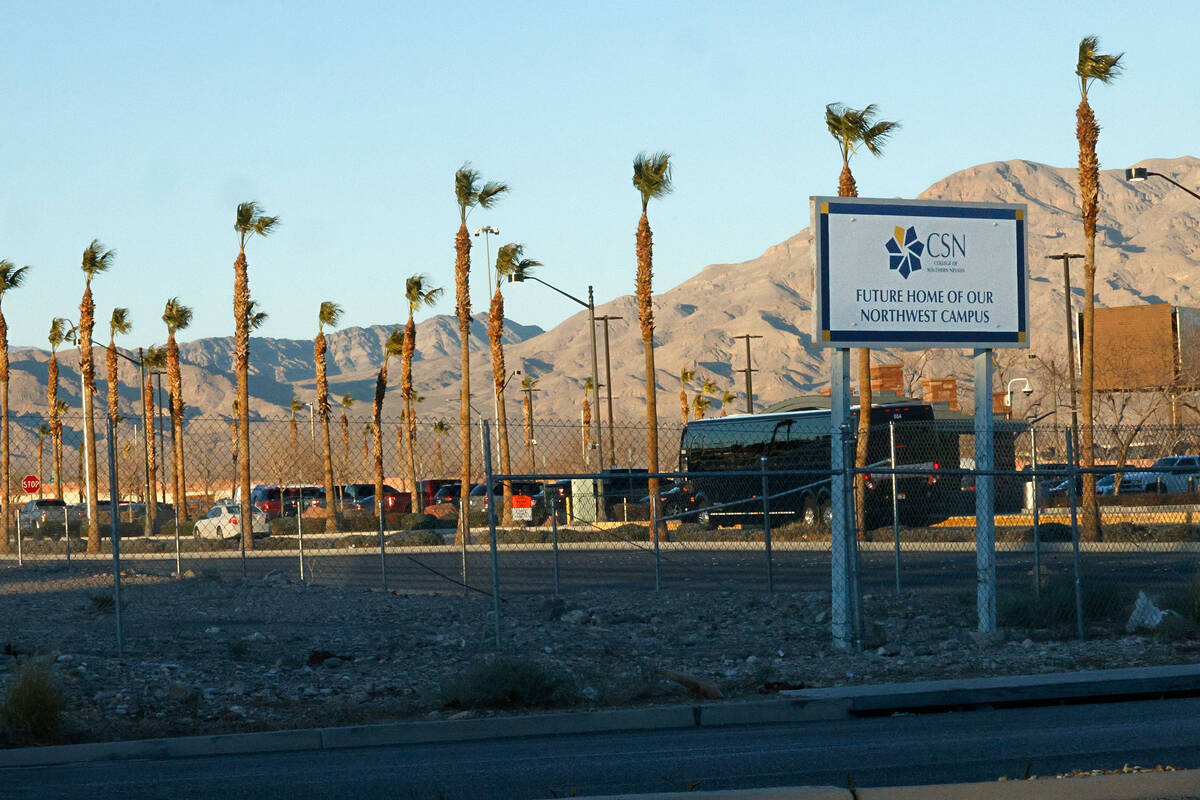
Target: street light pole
{"type": "Point", "coordinates": [488, 230]}
{"type": "Point", "coordinates": [612, 448]}
{"type": "Point", "coordinates": [1139, 174]}
{"type": "Point", "coordinates": [1065, 258]}
{"type": "Point", "coordinates": [749, 370]}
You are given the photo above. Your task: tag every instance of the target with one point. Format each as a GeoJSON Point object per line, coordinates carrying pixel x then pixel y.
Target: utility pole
{"type": "Point", "coordinates": [612, 449]}
{"type": "Point", "coordinates": [1065, 258]}
{"type": "Point", "coordinates": [749, 370]}
{"type": "Point", "coordinates": [529, 390]}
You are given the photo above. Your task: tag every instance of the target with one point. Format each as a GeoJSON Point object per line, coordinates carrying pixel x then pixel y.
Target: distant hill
{"type": "Point", "coordinates": [1148, 251]}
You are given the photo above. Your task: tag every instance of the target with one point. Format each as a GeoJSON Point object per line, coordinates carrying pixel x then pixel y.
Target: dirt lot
{"type": "Point", "coordinates": [206, 655]}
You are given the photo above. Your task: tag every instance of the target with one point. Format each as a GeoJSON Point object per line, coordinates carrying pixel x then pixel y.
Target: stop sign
{"type": "Point", "coordinates": [30, 483]}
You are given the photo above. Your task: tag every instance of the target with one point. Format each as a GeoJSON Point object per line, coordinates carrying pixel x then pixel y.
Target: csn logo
{"type": "Point", "coordinates": [941, 251]}
{"type": "Point", "coordinates": [904, 251]}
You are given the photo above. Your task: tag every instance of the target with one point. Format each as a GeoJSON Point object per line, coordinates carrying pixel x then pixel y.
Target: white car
{"type": "Point", "coordinates": [1174, 474]}
{"type": "Point", "coordinates": [224, 521]}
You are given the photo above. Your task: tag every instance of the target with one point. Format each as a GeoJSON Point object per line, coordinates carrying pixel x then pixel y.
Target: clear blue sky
{"type": "Point", "coordinates": [144, 124]}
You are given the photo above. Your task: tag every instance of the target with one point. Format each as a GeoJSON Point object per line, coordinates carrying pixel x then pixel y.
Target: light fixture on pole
{"type": "Point", "coordinates": [1027, 391]}
{"type": "Point", "coordinates": [1139, 174]}
{"type": "Point", "coordinates": [488, 230]}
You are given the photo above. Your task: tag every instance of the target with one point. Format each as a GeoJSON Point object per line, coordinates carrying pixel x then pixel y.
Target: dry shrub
{"type": "Point", "coordinates": [32, 711]}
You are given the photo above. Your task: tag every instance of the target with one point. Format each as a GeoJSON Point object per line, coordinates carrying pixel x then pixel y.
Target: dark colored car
{"type": "Point", "coordinates": [395, 502]}
{"type": "Point", "coordinates": [302, 498]}
{"type": "Point", "coordinates": [448, 493]}
{"type": "Point", "coordinates": [267, 499]}
{"type": "Point", "coordinates": [429, 489]}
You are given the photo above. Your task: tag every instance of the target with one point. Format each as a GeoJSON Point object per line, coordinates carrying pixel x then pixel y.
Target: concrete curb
{"type": "Point", "coordinates": [465, 730]}
{"type": "Point", "coordinates": [1134, 786]}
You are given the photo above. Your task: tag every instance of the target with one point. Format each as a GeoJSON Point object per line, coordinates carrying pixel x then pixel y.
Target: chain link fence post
{"type": "Point", "coordinates": [114, 528]}
{"type": "Point", "coordinates": [895, 498]}
{"type": "Point", "coordinates": [490, 499]}
{"type": "Point", "coordinates": [553, 494]}
{"type": "Point", "coordinates": [1071, 491]}
{"type": "Point", "coordinates": [766, 507]}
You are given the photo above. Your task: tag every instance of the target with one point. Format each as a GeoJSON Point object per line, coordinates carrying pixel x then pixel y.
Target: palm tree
{"type": "Point", "coordinates": [178, 317]}
{"type": "Point", "coordinates": [96, 259]}
{"type": "Point", "coordinates": [394, 346]}
{"type": "Point", "coordinates": [346, 402]}
{"type": "Point", "coordinates": [58, 335]}
{"type": "Point", "coordinates": [43, 431]}
{"type": "Point", "coordinates": [233, 431]}
{"type": "Point", "coordinates": [652, 179]}
{"type": "Point", "coordinates": [440, 429]}
{"type": "Point", "coordinates": [1092, 66]}
{"type": "Point", "coordinates": [293, 429]}
{"type": "Point", "coordinates": [419, 293]}
{"type": "Point", "coordinates": [528, 386]}
{"type": "Point", "coordinates": [118, 324]}
{"type": "Point", "coordinates": [511, 264]}
{"type": "Point", "coordinates": [248, 222]}
{"type": "Point", "coordinates": [726, 398]}
{"type": "Point", "coordinates": [685, 377]}
{"type": "Point", "coordinates": [366, 443]}
{"type": "Point", "coordinates": [468, 193]}
{"type": "Point", "coordinates": [154, 358]}
{"type": "Point", "coordinates": [328, 315]}
{"type": "Point", "coordinates": [586, 420]}
{"type": "Point", "coordinates": [851, 128]}
{"type": "Point", "coordinates": [702, 401]}
{"type": "Point", "coordinates": [11, 276]}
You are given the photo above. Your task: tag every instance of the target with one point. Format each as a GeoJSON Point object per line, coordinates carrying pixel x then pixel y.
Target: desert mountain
{"type": "Point", "coordinates": [1148, 251]}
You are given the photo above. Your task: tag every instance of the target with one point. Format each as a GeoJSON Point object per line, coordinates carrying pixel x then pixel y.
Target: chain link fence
{"type": "Point", "coordinates": [741, 507]}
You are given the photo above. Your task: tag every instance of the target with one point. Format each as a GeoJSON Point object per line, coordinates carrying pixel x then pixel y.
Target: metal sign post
{"type": "Point", "coordinates": [842, 529]}
{"type": "Point", "coordinates": [985, 494]}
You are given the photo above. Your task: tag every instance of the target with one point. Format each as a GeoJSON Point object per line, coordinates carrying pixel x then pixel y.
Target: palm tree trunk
{"type": "Point", "coordinates": [848, 188]}
{"type": "Point", "coordinates": [55, 424]}
{"type": "Point", "coordinates": [319, 348]}
{"type": "Point", "coordinates": [4, 453]}
{"type": "Point", "coordinates": [462, 272]}
{"type": "Point", "coordinates": [241, 302]}
{"type": "Point", "coordinates": [499, 373]}
{"type": "Point", "coordinates": [151, 450]}
{"type": "Point", "coordinates": [643, 286]}
{"type": "Point", "coordinates": [87, 319]}
{"type": "Point", "coordinates": [409, 420]}
{"type": "Point", "coordinates": [683, 406]}
{"type": "Point", "coordinates": [175, 382]}
{"type": "Point", "coordinates": [377, 434]}
{"type": "Point", "coordinates": [1088, 133]}
{"type": "Point", "coordinates": [527, 415]}
{"type": "Point", "coordinates": [345, 440]}
{"type": "Point", "coordinates": [114, 388]}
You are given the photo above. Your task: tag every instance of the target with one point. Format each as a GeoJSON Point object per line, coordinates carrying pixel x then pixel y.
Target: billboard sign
{"type": "Point", "coordinates": [919, 273]}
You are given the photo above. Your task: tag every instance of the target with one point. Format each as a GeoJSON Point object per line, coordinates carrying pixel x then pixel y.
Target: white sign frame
{"type": "Point", "coordinates": [834, 290]}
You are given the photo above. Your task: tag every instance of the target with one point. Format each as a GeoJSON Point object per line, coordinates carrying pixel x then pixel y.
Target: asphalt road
{"type": "Point", "coordinates": [970, 746]}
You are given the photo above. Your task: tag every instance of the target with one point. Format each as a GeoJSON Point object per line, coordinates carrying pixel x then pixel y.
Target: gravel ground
{"type": "Point", "coordinates": [205, 655]}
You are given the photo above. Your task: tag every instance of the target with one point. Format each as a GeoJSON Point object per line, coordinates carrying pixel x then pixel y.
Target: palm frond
{"type": "Point", "coordinates": [394, 345]}
{"type": "Point", "coordinates": [296, 405]}
{"type": "Point", "coordinates": [418, 291]}
{"type": "Point", "coordinates": [329, 314]}
{"type": "Point", "coordinates": [120, 324]}
{"type": "Point", "coordinates": [465, 191]}
{"type": "Point", "coordinates": [652, 175]}
{"type": "Point", "coordinates": [1093, 66]}
{"type": "Point", "coordinates": [176, 315]}
{"type": "Point", "coordinates": [155, 357]}
{"type": "Point", "coordinates": [11, 276]}
{"type": "Point", "coordinates": [852, 126]}
{"type": "Point", "coordinates": [490, 191]}
{"type": "Point", "coordinates": [250, 221]}
{"type": "Point", "coordinates": [347, 401]}
{"type": "Point", "coordinates": [58, 332]}
{"type": "Point", "coordinates": [97, 259]}
{"type": "Point", "coordinates": [254, 318]}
